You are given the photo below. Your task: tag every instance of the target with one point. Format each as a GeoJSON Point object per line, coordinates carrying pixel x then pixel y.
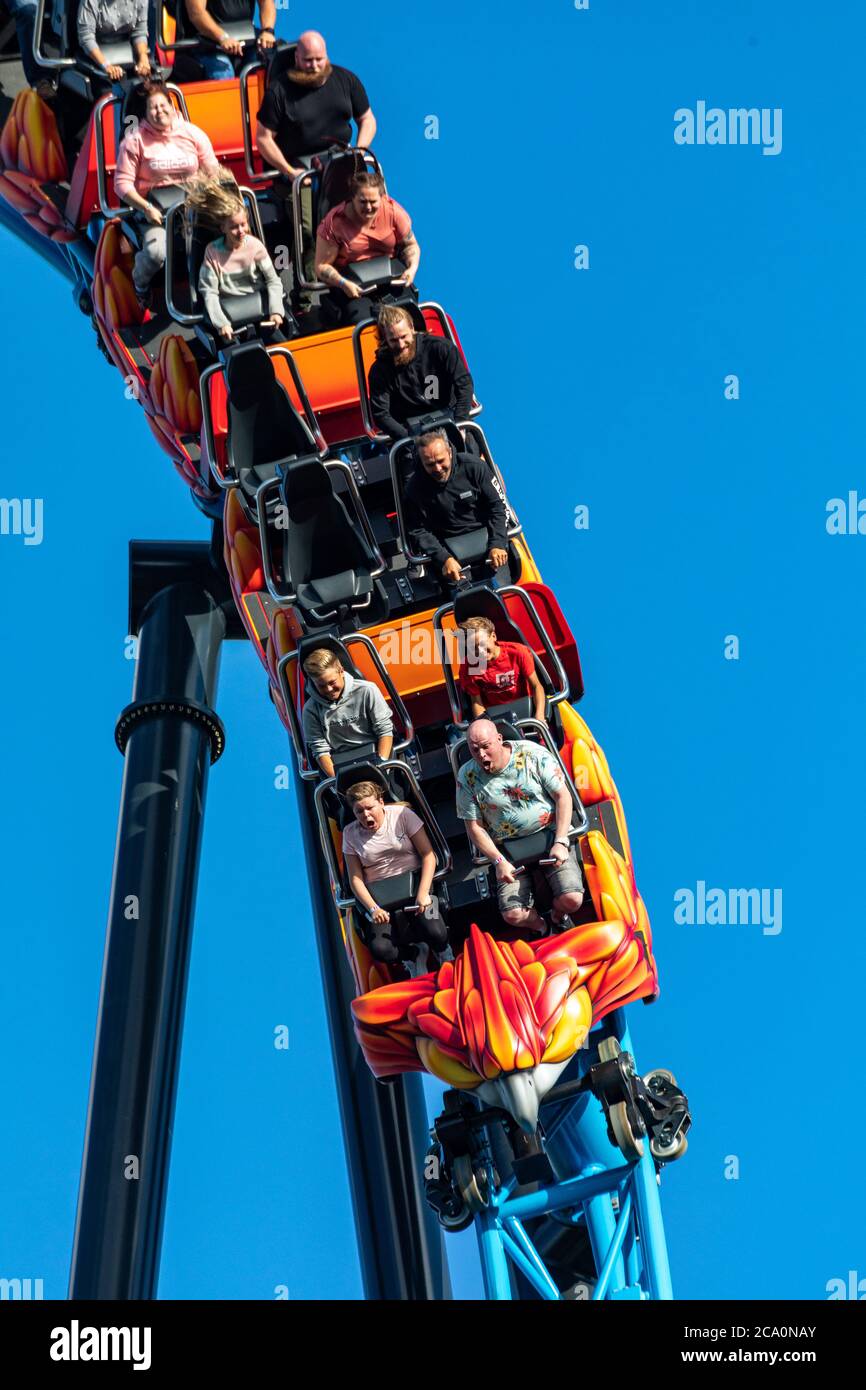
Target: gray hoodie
{"type": "Point", "coordinates": [361, 715]}
{"type": "Point", "coordinates": [111, 21]}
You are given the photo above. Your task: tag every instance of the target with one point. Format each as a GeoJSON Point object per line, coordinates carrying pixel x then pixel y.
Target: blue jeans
{"type": "Point", "coordinates": [216, 65]}
{"type": "Point", "coordinates": [24, 14]}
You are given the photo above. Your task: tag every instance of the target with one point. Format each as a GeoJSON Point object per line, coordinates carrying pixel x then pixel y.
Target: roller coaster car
{"type": "Point", "coordinates": [510, 1014]}
{"type": "Point", "coordinates": [480, 601]}
{"type": "Point", "coordinates": [505, 1024]}
{"type": "Point", "coordinates": [318, 554]}
{"type": "Point", "coordinates": [295, 687]}
{"type": "Point", "coordinates": [470, 549]}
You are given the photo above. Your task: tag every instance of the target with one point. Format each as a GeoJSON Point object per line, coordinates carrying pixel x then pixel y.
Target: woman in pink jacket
{"type": "Point", "coordinates": [164, 150]}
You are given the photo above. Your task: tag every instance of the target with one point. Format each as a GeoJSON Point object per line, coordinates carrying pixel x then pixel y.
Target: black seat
{"type": "Point", "coordinates": [528, 849]}
{"type": "Point", "coordinates": [279, 60]}
{"type": "Point", "coordinates": [197, 239]}
{"type": "Point", "coordinates": [470, 547]}
{"type": "Point", "coordinates": [335, 178]}
{"type": "Point", "coordinates": [398, 783]}
{"type": "Point", "coordinates": [133, 105]}
{"type": "Point", "coordinates": [296, 697]}
{"type": "Point", "coordinates": [264, 429]}
{"type": "Point", "coordinates": [505, 727]}
{"type": "Point", "coordinates": [326, 559]}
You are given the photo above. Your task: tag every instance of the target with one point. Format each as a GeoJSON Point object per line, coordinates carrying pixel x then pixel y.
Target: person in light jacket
{"type": "Point", "coordinates": [163, 150]}
{"type": "Point", "coordinates": [344, 712]}
{"type": "Point", "coordinates": [236, 264]}
{"type": "Point", "coordinates": [112, 21]}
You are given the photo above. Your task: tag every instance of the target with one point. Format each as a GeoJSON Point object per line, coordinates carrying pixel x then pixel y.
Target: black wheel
{"type": "Point", "coordinates": [459, 1222]}
{"type": "Point", "coordinates": [668, 1153]}
{"type": "Point", "coordinates": [629, 1144]}
{"type": "Point", "coordinates": [471, 1185]}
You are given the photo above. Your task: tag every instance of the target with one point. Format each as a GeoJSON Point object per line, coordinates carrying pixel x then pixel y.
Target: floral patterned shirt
{"type": "Point", "coordinates": [518, 800]}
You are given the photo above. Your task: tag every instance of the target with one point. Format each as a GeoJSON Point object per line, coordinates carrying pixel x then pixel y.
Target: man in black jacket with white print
{"type": "Point", "coordinates": [449, 495]}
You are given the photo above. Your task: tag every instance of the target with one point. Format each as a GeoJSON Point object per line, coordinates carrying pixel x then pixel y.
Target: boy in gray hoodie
{"type": "Point", "coordinates": [344, 712]}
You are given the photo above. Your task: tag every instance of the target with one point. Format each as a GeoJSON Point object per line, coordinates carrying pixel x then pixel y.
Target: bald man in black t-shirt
{"type": "Point", "coordinates": [310, 106]}
{"type": "Point", "coordinates": [305, 110]}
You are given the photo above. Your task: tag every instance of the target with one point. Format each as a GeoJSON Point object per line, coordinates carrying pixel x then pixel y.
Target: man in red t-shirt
{"type": "Point", "coordinates": [495, 673]}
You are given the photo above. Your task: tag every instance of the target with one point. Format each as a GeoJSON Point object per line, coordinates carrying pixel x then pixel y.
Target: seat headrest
{"type": "Point", "coordinates": [480, 601]}
{"type": "Point", "coordinates": [436, 420]}
{"type": "Point", "coordinates": [362, 772]}
{"type": "Point", "coordinates": [281, 60]}
{"type": "Point", "coordinates": [134, 102]}
{"type": "Point", "coordinates": [508, 730]}
{"type": "Point", "coordinates": [250, 375]}
{"type": "Point", "coordinates": [306, 480]}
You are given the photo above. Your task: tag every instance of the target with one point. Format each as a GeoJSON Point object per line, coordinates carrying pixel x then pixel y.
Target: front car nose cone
{"type": "Point", "coordinates": [515, 1092]}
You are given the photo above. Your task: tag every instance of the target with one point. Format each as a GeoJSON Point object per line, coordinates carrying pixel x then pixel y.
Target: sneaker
{"type": "Point", "coordinates": [560, 924]}
{"type": "Point", "coordinates": [144, 297]}
{"type": "Point", "coordinates": [45, 89]}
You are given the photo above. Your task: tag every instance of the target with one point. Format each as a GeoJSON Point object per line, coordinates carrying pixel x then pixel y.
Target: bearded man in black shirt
{"type": "Point", "coordinates": [415, 374]}
{"type": "Point", "coordinates": [306, 109]}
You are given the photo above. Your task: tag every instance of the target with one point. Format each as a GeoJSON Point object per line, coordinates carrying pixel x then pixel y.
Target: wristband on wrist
{"type": "Point", "coordinates": [498, 860]}
{"type": "Point", "coordinates": [266, 29]}
{"type": "Point", "coordinates": [561, 840]}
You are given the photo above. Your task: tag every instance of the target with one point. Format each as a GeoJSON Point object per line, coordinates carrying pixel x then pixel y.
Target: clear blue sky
{"type": "Point", "coordinates": [707, 518]}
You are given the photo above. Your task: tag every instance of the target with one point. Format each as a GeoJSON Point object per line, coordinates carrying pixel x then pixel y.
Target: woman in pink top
{"type": "Point", "coordinates": [237, 264]}
{"type": "Point", "coordinates": [387, 840]}
{"type": "Point", "coordinates": [163, 150]}
{"type": "Point", "coordinates": [367, 225]}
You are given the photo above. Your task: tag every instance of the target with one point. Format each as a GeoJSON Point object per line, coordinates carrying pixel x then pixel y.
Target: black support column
{"type": "Point", "coordinates": [169, 736]}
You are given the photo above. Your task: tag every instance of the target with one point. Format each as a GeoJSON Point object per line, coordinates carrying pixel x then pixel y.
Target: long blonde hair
{"type": "Point", "coordinates": [212, 200]}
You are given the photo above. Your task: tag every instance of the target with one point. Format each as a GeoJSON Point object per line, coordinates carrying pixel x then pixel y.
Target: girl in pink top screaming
{"type": "Point", "coordinates": [164, 150]}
